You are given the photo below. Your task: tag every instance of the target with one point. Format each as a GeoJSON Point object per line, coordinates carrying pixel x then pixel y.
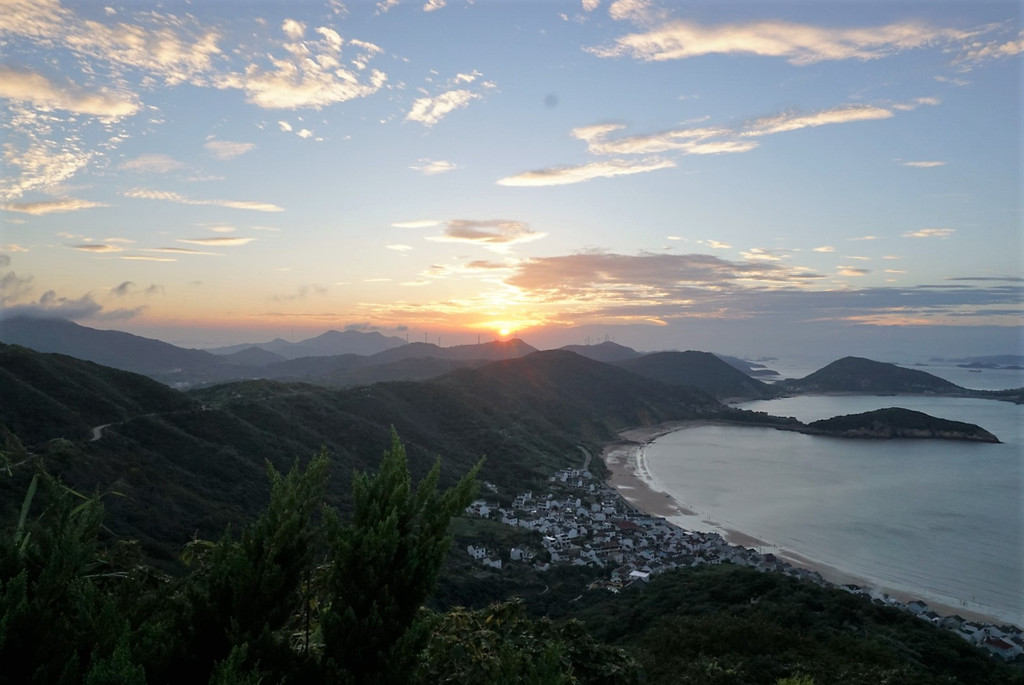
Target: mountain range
{"type": "Point", "coordinates": [335, 358]}
{"type": "Point", "coordinates": [192, 462]}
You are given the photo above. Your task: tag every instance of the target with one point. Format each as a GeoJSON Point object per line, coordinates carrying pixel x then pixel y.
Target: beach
{"type": "Point", "coordinates": [627, 474]}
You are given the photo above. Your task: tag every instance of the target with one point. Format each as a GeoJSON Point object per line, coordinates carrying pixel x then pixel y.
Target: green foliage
{"type": "Point", "coordinates": [728, 624]}
{"type": "Point", "coordinates": [500, 645]}
{"type": "Point", "coordinates": [242, 594]}
{"type": "Point", "coordinates": [56, 625]}
{"type": "Point", "coordinates": [383, 566]}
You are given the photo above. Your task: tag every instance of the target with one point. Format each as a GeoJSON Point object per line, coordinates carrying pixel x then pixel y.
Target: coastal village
{"type": "Point", "coordinates": [584, 522]}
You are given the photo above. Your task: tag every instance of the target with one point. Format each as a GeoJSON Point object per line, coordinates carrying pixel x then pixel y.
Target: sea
{"type": "Point", "coordinates": [942, 521]}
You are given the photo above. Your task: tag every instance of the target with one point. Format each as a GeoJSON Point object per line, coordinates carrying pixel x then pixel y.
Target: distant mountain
{"type": "Point", "coordinates": [110, 348]}
{"type": "Point", "coordinates": [754, 369]}
{"type": "Point", "coordinates": [492, 351]}
{"type": "Point", "coordinates": [700, 370]}
{"type": "Point", "coordinates": [855, 374]}
{"type": "Point", "coordinates": [563, 390]}
{"type": "Point", "coordinates": [895, 422]}
{"type": "Point", "coordinates": [252, 356]}
{"type": "Point", "coordinates": [327, 344]}
{"type": "Point", "coordinates": [606, 351]}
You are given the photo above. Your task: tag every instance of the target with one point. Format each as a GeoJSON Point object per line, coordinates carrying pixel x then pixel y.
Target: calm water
{"type": "Point", "coordinates": [942, 520]}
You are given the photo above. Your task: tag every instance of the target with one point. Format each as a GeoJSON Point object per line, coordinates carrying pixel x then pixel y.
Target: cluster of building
{"type": "Point", "coordinates": [582, 521]}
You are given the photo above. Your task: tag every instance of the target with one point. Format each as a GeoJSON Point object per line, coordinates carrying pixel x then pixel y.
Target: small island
{"type": "Point", "coordinates": [895, 422]}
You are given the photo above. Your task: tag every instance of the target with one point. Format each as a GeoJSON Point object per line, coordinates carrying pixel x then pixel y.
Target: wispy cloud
{"type": "Point", "coordinates": [98, 248]}
{"type": "Point", "coordinates": [563, 175]}
{"type": "Point", "coordinates": [799, 44]}
{"type": "Point", "coordinates": [430, 167]}
{"type": "Point", "coordinates": [171, 196]}
{"type": "Point", "coordinates": [65, 204]}
{"type": "Point", "coordinates": [128, 288]}
{"type": "Point", "coordinates": [40, 92]}
{"type": "Point", "coordinates": [923, 164]}
{"type": "Point", "coordinates": [155, 163]}
{"type": "Point", "coordinates": [837, 115]}
{"type": "Point", "coordinates": [309, 72]}
{"type": "Point", "coordinates": [993, 50]}
{"type": "Point", "coordinates": [930, 233]}
{"type": "Point", "coordinates": [219, 241]}
{"type": "Point", "coordinates": [430, 110]}
{"type": "Point", "coordinates": [423, 223]}
{"type": "Point", "coordinates": [494, 234]}
{"type": "Point", "coordinates": [853, 271]}
{"type": "Point", "coordinates": [227, 149]}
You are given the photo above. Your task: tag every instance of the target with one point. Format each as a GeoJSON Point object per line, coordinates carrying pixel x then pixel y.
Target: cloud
{"type": "Point", "coordinates": [311, 74]}
{"type": "Point", "coordinates": [398, 247]}
{"type": "Point", "coordinates": [693, 141]}
{"type": "Point", "coordinates": [494, 234]}
{"type": "Point", "coordinates": [579, 273]}
{"type": "Point", "coordinates": [923, 164]}
{"type": "Point", "coordinates": [853, 271]}
{"type": "Point", "coordinates": [303, 292]}
{"type": "Point", "coordinates": [701, 140]}
{"type": "Point", "coordinates": [824, 248]}
{"type": "Point", "coordinates": [171, 196]}
{"type": "Point", "coordinates": [564, 175]}
{"type": "Point", "coordinates": [130, 288]}
{"type": "Point", "coordinates": [799, 44]}
{"type": "Point", "coordinates": [227, 149]}
{"type": "Point", "coordinates": [432, 5]}
{"type": "Point", "coordinates": [930, 233]}
{"type": "Point", "coordinates": [433, 167]}
{"type": "Point", "coordinates": [177, 250]}
{"type": "Point", "coordinates": [65, 204]}
{"type": "Point", "coordinates": [96, 247]}
{"type": "Point", "coordinates": [41, 164]}
{"type": "Point", "coordinates": [219, 241]}
{"type": "Point", "coordinates": [430, 110]}
{"type": "Point", "coordinates": [152, 163]}
{"type": "Point", "coordinates": [425, 223]}
{"type": "Point", "coordinates": [50, 305]}
{"type": "Point", "coordinates": [837, 115]}
{"type": "Point", "coordinates": [41, 93]}
{"type": "Point", "coordinates": [993, 50]}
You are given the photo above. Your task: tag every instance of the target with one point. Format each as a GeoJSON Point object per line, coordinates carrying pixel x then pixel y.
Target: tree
{"type": "Point", "coordinates": [241, 594]}
{"type": "Point", "coordinates": [383, 565]}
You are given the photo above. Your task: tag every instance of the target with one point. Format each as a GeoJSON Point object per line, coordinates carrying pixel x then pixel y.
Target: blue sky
{"type": "Point", "coordinates": [738, 176]}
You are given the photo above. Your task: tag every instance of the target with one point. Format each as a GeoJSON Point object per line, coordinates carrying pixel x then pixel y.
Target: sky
{"type": "Point", "coordinates": [744, 177]}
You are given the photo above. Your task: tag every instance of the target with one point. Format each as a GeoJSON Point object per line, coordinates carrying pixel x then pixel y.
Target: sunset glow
{"type": "Point", "coordinates": [674, 175]}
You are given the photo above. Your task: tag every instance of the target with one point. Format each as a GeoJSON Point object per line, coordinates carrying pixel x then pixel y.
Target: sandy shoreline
{"type": "Point", "coordinates": [624, 461]}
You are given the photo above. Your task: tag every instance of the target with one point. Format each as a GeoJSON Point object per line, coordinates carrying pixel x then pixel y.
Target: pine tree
{"type": "Point", "coordinates": [383, 566]}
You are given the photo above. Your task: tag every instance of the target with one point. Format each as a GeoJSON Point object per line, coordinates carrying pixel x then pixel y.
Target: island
{"type": "Point", "coordinates": [895, 422]}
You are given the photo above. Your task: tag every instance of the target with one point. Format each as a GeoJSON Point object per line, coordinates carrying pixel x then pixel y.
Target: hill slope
{"type": "Point", "coordinates": [855, 374]}
{"type": "Point", "coordinates": [700, 370]}
{"type": "Point", "coordinates": [895, 422]}
{"type": "Point", "coordinates": [193, 463]}
{"type": "Point", "coordinates": [45, 396]}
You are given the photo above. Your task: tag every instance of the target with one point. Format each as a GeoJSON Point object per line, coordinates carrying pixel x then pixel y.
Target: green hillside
{"type": "Point", "coordinates": [701, 370]}
{"type": "Point", "coordinates": [47, 396]}
{"type": "Point", "coordinates": [855, 374]}
{"type": "Point", "coordinates": [194, 463]}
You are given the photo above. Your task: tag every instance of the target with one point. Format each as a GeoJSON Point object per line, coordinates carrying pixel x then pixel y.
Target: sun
{"type": "Point", "coordinates": [504, 331]}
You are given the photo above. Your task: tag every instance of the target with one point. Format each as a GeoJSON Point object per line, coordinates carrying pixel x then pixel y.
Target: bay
{"type": "Point", "coordinates": [939, 520]}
